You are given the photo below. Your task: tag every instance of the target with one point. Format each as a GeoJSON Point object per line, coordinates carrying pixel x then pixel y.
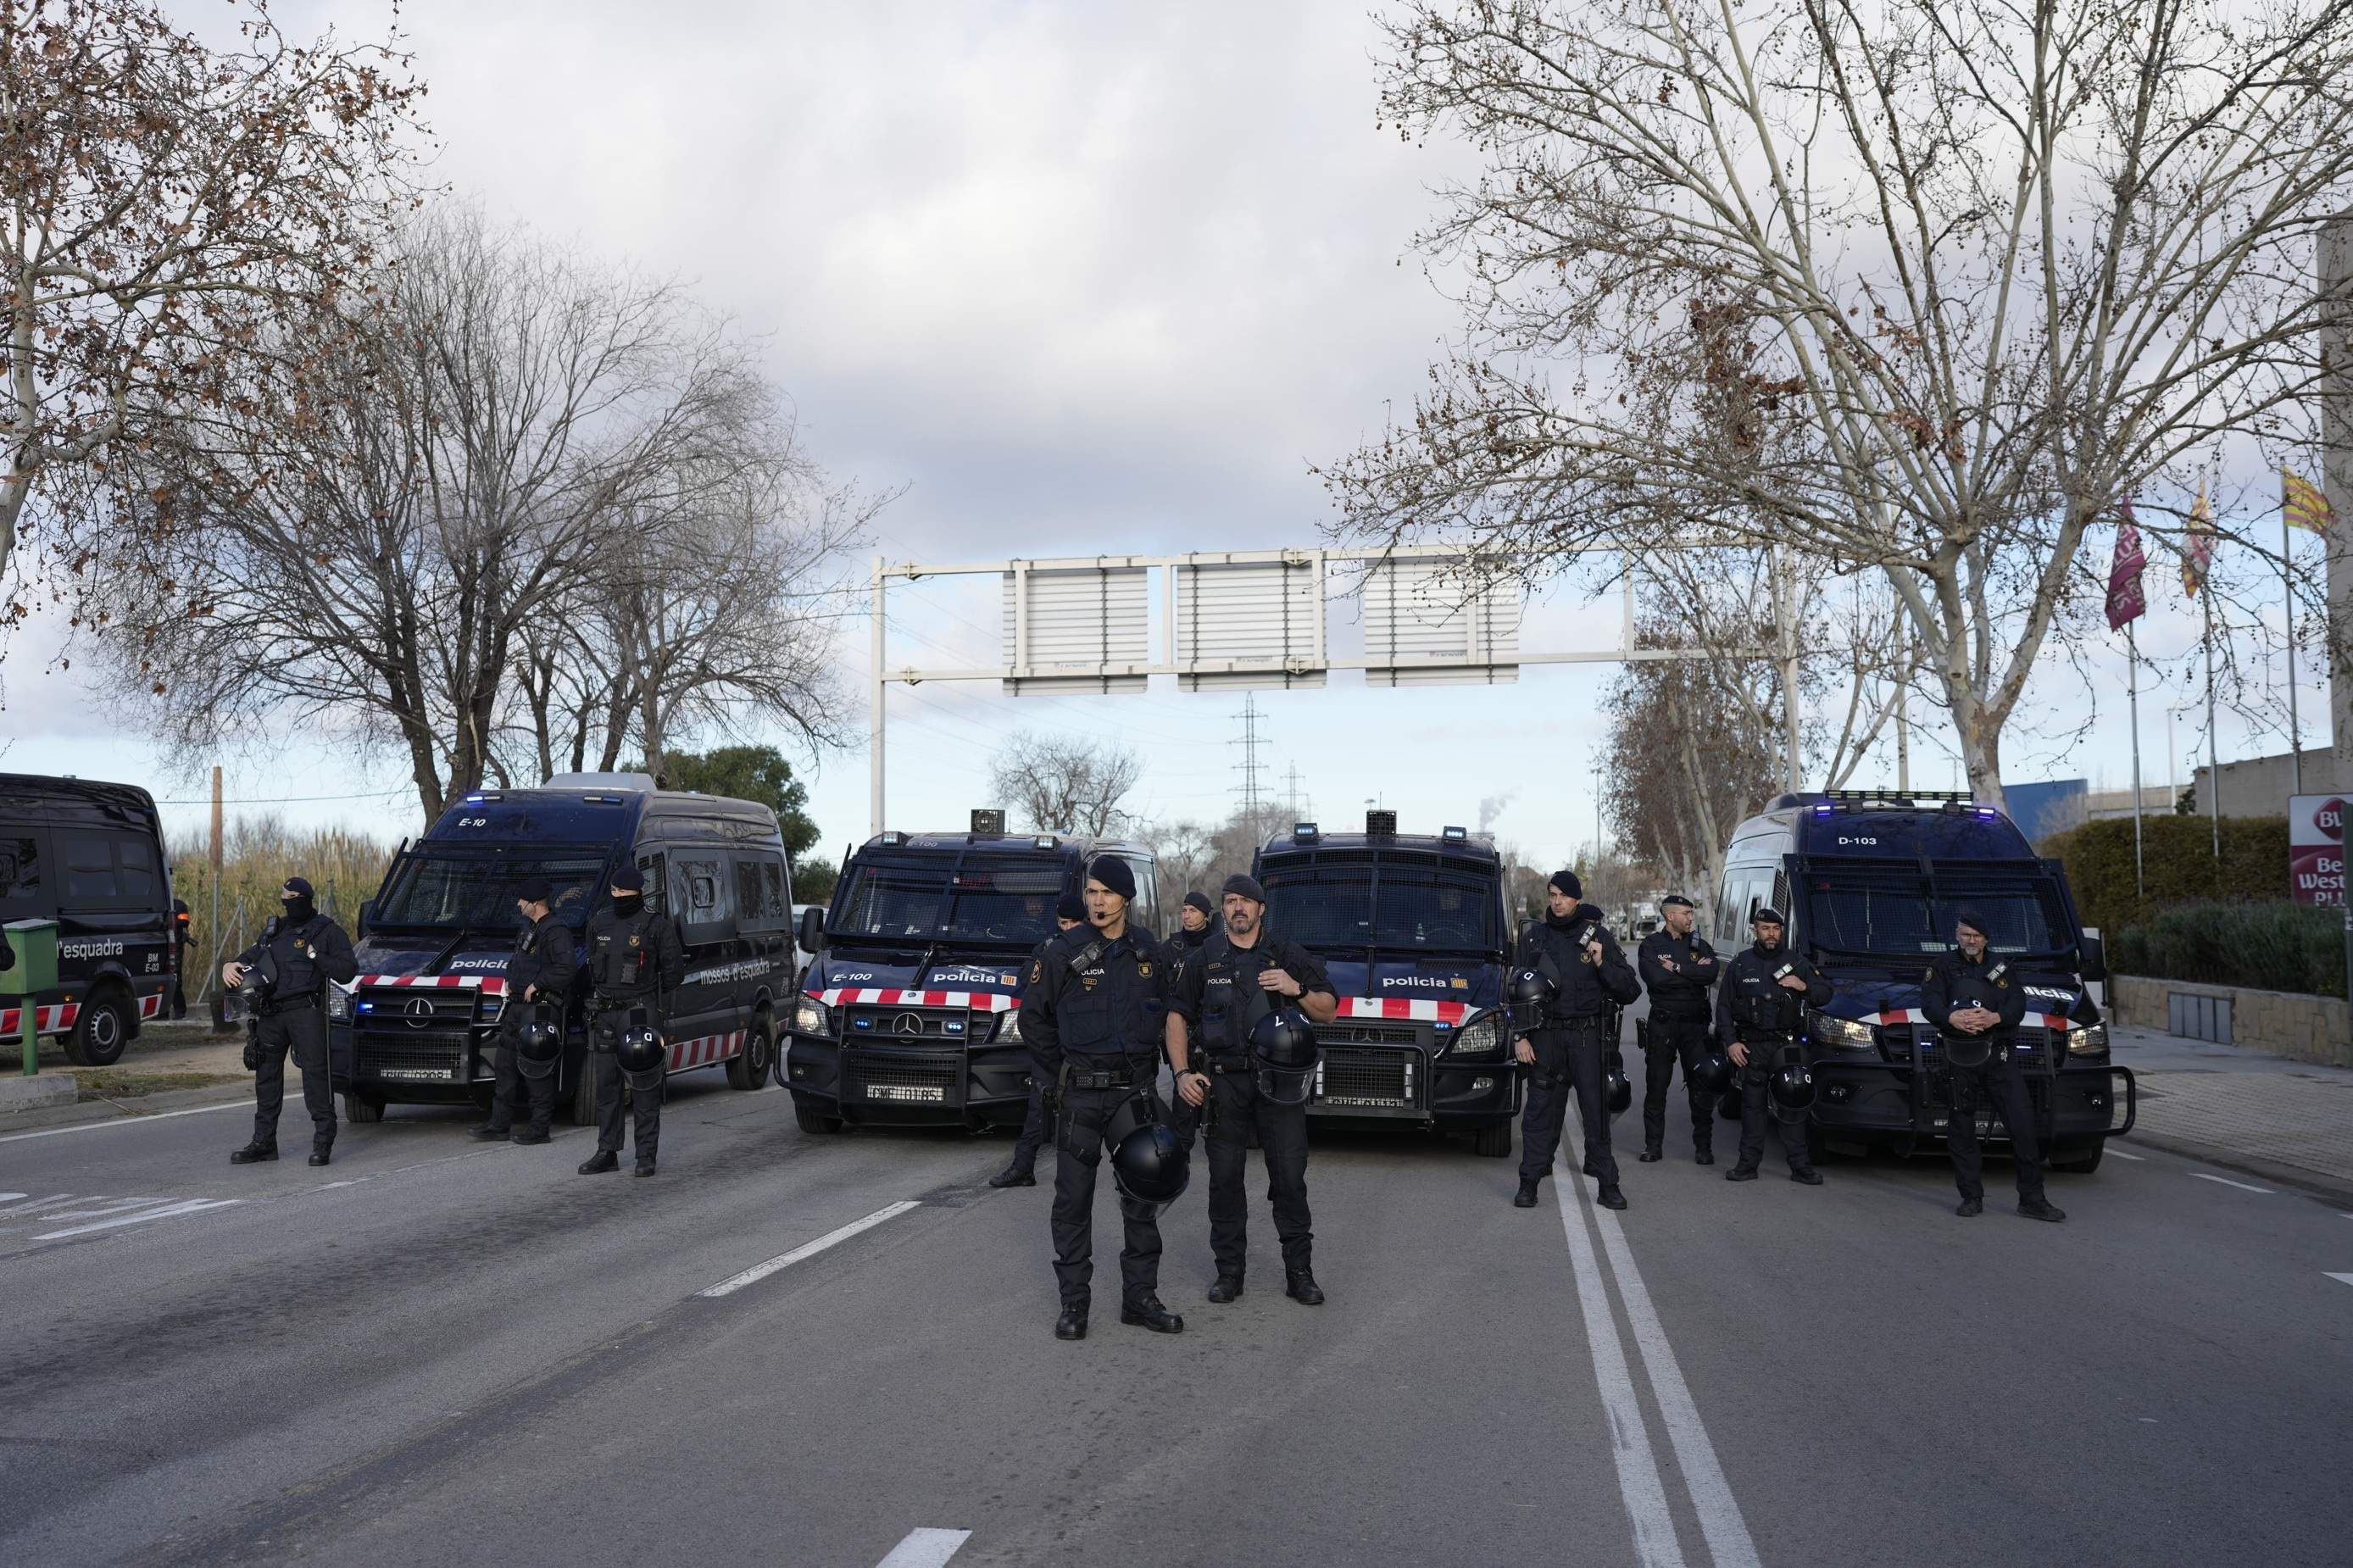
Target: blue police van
{"type": "Point", "coordinates": [419, 1023]}
{"type": "Point", "coordinates": [1870, 882]}
{"type": "Point", "coordinates": [906, 1016]}
{"type": "Point", "coordinates": [1415, 932]}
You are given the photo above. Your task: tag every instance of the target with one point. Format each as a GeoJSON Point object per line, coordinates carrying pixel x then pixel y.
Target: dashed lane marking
{"type": "Point", "coordinates": [2340, 1279]}
{"type": "Point", "coordinates": [2136, 1159]}
{"type": "Point", "coordinates": [193, 1205]}
{"type": "Point", "coordinates": [10, 1198]}
{"type": "Point", "coordinates": [926, 1547]}
{"type": "Point", "coordinates": [127, 1120]}
{"type": "Point", "coordinates": [759, 1271]}
{"type": "Point", "coordinates": [2226, 1181]}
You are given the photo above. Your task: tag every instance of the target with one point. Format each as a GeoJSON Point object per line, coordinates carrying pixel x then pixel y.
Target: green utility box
{"type": "Point", "coordinates": [35, 943]}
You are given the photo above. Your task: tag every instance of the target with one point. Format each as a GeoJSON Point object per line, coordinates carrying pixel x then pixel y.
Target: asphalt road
{"type": "Point", "coordinates": [435, 1350]}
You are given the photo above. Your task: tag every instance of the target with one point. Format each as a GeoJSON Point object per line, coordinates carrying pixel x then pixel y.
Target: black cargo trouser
{"type": "Point", "coordinates": [516, 1091]}
{"type": "Point", "coordinates": [1569, 1057]}
{"type": "Point", "coordinates": [1283, 1139]}
{"type": "Point", "coordinates": [300, 1029]}
{"type": "Point", "coordinates": [1078, 1141]}
{"type": "Point", "coordinates": [2002, 1085]}
{"type": "Point", "coordinates": [604, 1039]}
{"type": "Point", "coordinates": [1673, 1041]}
{"type": "Point", "coordinates": [1764, 1059]}
{"type": "Point", "coordinates": [1033, 1127]}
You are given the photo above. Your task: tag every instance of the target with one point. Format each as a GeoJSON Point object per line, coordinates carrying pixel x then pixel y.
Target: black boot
{"type": "Point", "coordinates": [1806, 1176]}
{"type": "Point", "coordinates": [319, 1156]}
{"type": "Point", "coordinates": [601, 1161]}
{"type": "Point", "coordinates": [1702, 1156]}
{"type": "Point", "coordinates": [1526, 1198]}
{"type": "Point", "coordinates": [1228, 1287]}
{"type": "Point", "coordinates": [1300, 1287]}
{"type": "Point", "coordinates": [486, 1133]}
{"type": "Point", "coordinates": [1610, 1197]}
{"type": "Point", "coordinates": [2042, 1209]}
{"type": "Point", "coordinates": [253, 1153]}
{"type": "Point", "coordinates": [1971, 1208]}
{"type": "Point", "coordinates": [1741, 1174]}
{"type": "Point", "coordinates": [1072, 1324]}
{"type": "Point", "coordinates": [1651, 1153]}
{"type": "Point", "coordinates": [1017, 1174]}
{"type": "Point", "coordinates": [645, 1168]}
{"type": "Point", "coordinates": [1146, 1312]}
{"type": "Point", "coordinates": [529, 1139]}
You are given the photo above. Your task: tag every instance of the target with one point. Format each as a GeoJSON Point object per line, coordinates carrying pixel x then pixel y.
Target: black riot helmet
{"type": "Point", "coordinates": [539, 1036]}
{"type": "Point", "coordinates": [1150, 1167]}
{"type": "Point", "coordinates": [640, 1050]}
{"type": "Point", "coordinates": [1283, 1044]}
{"type": "Point", "coordinates": [1617, 1089]}
{"type": "Point", "coordinates": [1712, 1074]}
{"type": "Point", "coordinates": [1527, 994]}
{"type": "Point", "coordinates": [1793, 1092]}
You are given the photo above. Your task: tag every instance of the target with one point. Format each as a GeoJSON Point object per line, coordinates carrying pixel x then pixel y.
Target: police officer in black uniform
{"type": "Point", "coordinates": [1971, 996]}
{"type": "Point", "coordinates": [1092, 1010]}
{"type": "Point", "coordinates": [300, 951]}
{"type": "Point", "coordinates": [1677, 968]}
{"type": "Point", "coordinates": [1240, 976]}
{"type": "Point", "coordinates": [1197, 920]}
{"type": "Point", "coordinates": [1069, 912]}
{"type": "Point", "coordinates": [540, 972]}
{"type": "Point", "coordinates": [1571, 947]}
{"type": "Point", "coordinates": [633, 961]}
{"type": "Point", "coordinates": [1758, 1010]}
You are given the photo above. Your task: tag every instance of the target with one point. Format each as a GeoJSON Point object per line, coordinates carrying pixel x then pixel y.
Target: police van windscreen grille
{"type": "Point", "coordinates": [949, 898]}
{"type": "Point", "coordinates": [1897, 916]}
{"type": "Point", "coordinates": [1406, 908]}
{"type": "Point", "coordinates": [436, 888]}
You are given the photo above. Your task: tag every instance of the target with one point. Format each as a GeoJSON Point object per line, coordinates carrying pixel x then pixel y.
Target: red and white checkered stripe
{"type": "Point", "coordinates": [488, 985]}
{"type": "Point", "coordinates": [978, 1001]}
{"type": "Point", "coordinates": [1914, 1016]}
{"type": "Point", "coordinates": [59, 1017]}
{"type": "Point", "coordinates": [703, 1052]}
{"type": "Point", "coordinates": [1418, 1009]}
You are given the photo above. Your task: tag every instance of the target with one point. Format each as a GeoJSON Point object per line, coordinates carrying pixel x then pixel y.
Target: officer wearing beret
{"type": "Point", "coordinates": [1571, 947]}
{"type": "Point", "coordinates": [1678, 968]}
{"type": "Point", "coordinates": [1070, 912]}
{"type": "Point", "coordinates": [1196, 920]}
{"type": "Point", "coordinates": [1759, 1011]}
{"type": "Point", "coordinates": [540, 972]}
{"type": "Point", "coordinates": [300, 952]}
{"type": "Point", "coordinates": [1974, 1003]}
{"type": "Point", "coordinates": [634, 961]}
{"type": "Point", "coordinates": [1091, 1010]}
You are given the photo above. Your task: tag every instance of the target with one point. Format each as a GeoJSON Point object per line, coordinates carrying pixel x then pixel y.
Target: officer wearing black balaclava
{"type": "Point", "coordinates": [1571, 947]}
{"type": "Point", "coordinates": [1071, 910]}
{"type": "Point", "coordinates": [1760, 1009]}
{"type": "Point", "coordinates": [1677, 967]}
{"type": "Point", "coordinates": [1196, 921]}
{"type": "Point", "coordinates": [301, 952]}
{"type": "Point", "coordinates": [1091, 1010]}
{"type": "Point", "coordinates": [539, 974]}
{"type": "Point", "coordinates": [1239, 976]}
{"type": "Point", "coordinates": [634, 962]}
{"type": "Point", "coordinates": [1972, 998]}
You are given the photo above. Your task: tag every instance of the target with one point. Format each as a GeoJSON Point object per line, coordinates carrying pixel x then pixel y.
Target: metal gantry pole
{"type": "Point", "coordinates": [2287, 597]}
{"type": "Point", "coordinates": [874, 756]}
{"type": "Point", "coordinates": [2213, 737]}
{"type": "Point", "coordinates": [2132, 684]}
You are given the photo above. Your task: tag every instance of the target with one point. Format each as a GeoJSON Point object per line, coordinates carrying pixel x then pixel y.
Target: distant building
{"type": "Point", "coordinates": [2156, 800]}
{"type": "Point", "coordinates": [2260, 786]}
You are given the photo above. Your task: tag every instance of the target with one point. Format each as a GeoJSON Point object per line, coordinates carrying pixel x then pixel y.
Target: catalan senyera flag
{"type": "Point", "coordinates": [2197, 543]}
{"type": "Point", "coordinates": [2302, 503]}
{"type": "Point", "coordinates": [2126, 600]}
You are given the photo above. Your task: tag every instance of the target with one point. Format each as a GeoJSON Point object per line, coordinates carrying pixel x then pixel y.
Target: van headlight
{"type": "Point", "coordinates": [811, 1016]}
{"type": "Point", "coordinates": [2087, 1040]}
{"type": "Point", "coordinates": [338, 1003]}
{"type": "Point", "coordinates": [1480, 1041]}
{"type": "Point", "coordinates": [1839, 1033]}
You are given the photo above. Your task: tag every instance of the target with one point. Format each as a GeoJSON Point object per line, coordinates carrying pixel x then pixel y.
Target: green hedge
{"type": "Point", "coordinates": [2180, 865]}
{"type": "Point", "coordinates": [2274, 946]}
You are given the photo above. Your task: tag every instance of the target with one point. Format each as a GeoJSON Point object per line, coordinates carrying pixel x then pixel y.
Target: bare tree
{"type": "Point", "coordinates": [1183, 850]}
{"type": "Point", "coordinates": [1923, 288]}
{"type": "Point", "coordinates": [1062, 783]}
{"type": "Point", "coordinates": [164, 202]}
{"type": "Point", "coordinates": [374, 551]}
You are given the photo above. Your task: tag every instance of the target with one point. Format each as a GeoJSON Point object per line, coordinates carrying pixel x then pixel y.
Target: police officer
{"type": "Point", "coordinates": [1571, 947]}
{"type": "Point", "coordinates": [634, 961]}
{"type": "Point", "coordinates": [1092, 1010]}
{"type": "Point", "coordinates": [1970, 996]}
{"type": "Point", "coordinates": [1677, 967]}
{"type": "Point", "coordinates": [1766, 990]}
{"type": "Point", "coordinates": [300, 951]}
{"type": "Point", "coordinates": [1240, 976]}
{"type": "Point", "coordinates": [183, 938]}
{"type": "Point", "coordinates": [1069, 912]}
{"type": "Point", "coordinates": [540, 972]}
{"type": "Point", "coordinates": [1195, 919]}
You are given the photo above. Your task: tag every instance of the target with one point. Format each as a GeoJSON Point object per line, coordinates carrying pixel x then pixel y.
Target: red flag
{"type": "Point", "coordinates": [2126, 601]}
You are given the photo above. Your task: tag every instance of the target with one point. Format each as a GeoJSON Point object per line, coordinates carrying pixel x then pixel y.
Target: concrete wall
{"type": "Point", "coordinates": [2281, 1023]}
{"type": "Point", "coordinates": [2260, 785]}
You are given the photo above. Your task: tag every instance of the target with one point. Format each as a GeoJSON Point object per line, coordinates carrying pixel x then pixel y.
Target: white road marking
{"type": "Point", "coordinates": [49, 1202]}
{"type": "Point", "coordinates": [109, 1205]}
{"type": "Point", "coordinates": [759, 1271]}
{"type": "Point", "coordinates": [10, 1198]}
{"type": "Point", "coordinates": [1629, 1439]}
{"type": "Point", "coordinates": [2136, 1159]}
{"type": "Point", "coordinates": [2227, 1183]}
{"type": "Point", "coordinates": [925, 1548]}
{"type": "Point", "coordinates": [126, 1121]}
{"type": "Point", "coordinates": [193, 1206]}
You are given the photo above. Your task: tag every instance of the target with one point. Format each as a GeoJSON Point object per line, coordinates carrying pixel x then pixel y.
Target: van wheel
{"type": "Point", "coordinates": [813, 1120]}
{"type": "Point", "coordinates": [100, 1031]}
{"type": "Point", "coordinates": [2079, 1159]}
{"type": "Point", "coordinates": [1492, 1142]}
{"type": "Point", "coordinates": [361, 1108]}
{"type": "Point", "coordinates": [750, 1069]}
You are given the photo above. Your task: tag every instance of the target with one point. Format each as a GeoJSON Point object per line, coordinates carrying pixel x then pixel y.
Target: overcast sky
{"type": "Point", "coordinates": [1083, 278]}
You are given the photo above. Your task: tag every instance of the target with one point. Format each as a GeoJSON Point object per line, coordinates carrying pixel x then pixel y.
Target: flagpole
{"type": "Point", "coordinates": [2132, 684]}
{"type": "Point", "coordinates": [2288, 594]}
{"type": "Point", "coordinates": [2213, 753]}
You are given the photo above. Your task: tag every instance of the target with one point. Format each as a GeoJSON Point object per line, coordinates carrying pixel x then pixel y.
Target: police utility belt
{"type": "Point", "coordinates": [600, 1002]}
{"type": "Point", "coordinates": [1125, 1075]}
{"type": "Point", "coordinates": [276, 1005]}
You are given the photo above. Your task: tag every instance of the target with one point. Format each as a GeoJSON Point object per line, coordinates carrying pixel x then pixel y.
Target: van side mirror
{"type": "Point", "coordinates": [2096, 957]}
{"type": "Point", "coordinates": [367, 916]}
{"type": "Point", "coordinates": [811, 935]}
